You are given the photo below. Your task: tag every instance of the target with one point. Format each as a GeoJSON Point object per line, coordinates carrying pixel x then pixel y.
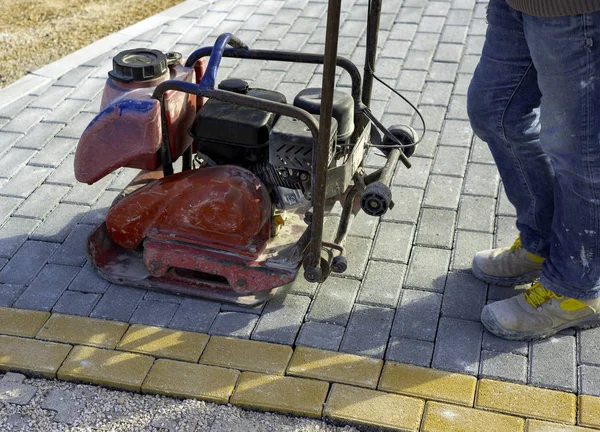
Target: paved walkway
{"type": "Point", "coordinates": [407, 306]}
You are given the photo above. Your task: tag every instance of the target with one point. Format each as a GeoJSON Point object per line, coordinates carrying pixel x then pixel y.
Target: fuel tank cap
{"type": "Point", "coordinates": [138, 64]}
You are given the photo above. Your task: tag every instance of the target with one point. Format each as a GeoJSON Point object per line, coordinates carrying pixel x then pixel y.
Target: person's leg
{"type": "Point", "coordinates": [503, 105]}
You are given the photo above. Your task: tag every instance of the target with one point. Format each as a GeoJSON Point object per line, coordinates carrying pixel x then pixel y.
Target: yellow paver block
{"type": "Point", "coordinates": [31, 356]}
{"type": "Point", "coordinates": [161, 342]}
{"type": "Point", "coordinates": [335, 367]}
{"type": "Point", "coordinates": [82, 331]}
{"type": "Point", "coordinates": [527, 401]}
{"type": "Point", "coordinates": [21, 322]}
{"type": "Point", "coordinates": [373, 408]}
{"type": "Point", "coordinates": [428, 383]}
{"type": "Point", "coordinates": [106, 367]}
{"type": "Point", "coordinates": [190, 380]}
{"type": "Point", "coordinates": [441, 417]}
{"type": "Point", "coordinates": [589, 411]}
{"type": "Point", "coordinates": [540, 426]}
{"type": "Point", "coordinates": [253, 356]}
{"type": "Point", "coordinates": [288, 395]}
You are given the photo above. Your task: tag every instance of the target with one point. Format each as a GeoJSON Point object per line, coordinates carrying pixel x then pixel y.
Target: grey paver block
{"type": "Point", "coordinates": [412, 351]}
{"type": "Point", "coordinates": [436, 93]}
{"type": "Point", "coordinates": [427, 269]}
{"type": "Point", "coordinates": [503, 366]}
{"type": "Point", "coordinates": [9, 293]}
{"type": "Point", "coordinates": [448, 52]}
{"type": "Point", "coordinates": [54, 152]}
{"type": "Point", "coordinates": [234, 324]}
{"type": "Point", "coordinates": [65, 111]}
{"type": "Point", "coordinates": [76, 303]}
{"type": "Point", "coordinates": [476, 213]}
{"type": "Point", "coordinates": [403, 31]}
{"type": "Point", "coordinates": [64, 174]}
{"type": "Point", "coordinates": [88, 281]}
{"type": "Point", "coordinates": [461, 87]}
{"type": "Point", "coordinates": [14, 391]}
{"type": "Point", "coordinates": [481, 152]}
{"type": "Point", "coordinates": [66, 403]}
{"type": "Point", "coordinates": [454, 34]}
{"type": "Point", "coordinates": [589, 346]}
{"type": "Point", "coordinates": [357, 253]}
{"type": "Point", "coordinates": [27, 262]}
{"type": "Point", "coordinates": [59, 223]}
{"type": "Point", "coordinates": [427, 146]}
{"type": "Point", "coordinates": [482, 179]}
{"type": "Point", "coordinates": [25, 181]}
{"type": "Point", "coordinates": [494, 343]}
{"type": "Point", "coordinates": [443, 192]}
{"type": "Point", "coordinates": [458, 108]}
{"type": "Point", "coordinates": [457, 346]}
{"type": "Point", "coordinates": [393, 242]}
{"type": "Point", "coordinates": [74, 129]}
{"type": "Point", "coordinates": [589, 380]}
{"type": "Point", "coordinates": [425, 41]}
{"type": "Point", "coordinates": [14, 233]}
{"type": "Point", "coordinates": [456, 133]}
{"type": "Point", "coordinates": [554, 363]}
{"type": "Point", "coordinates": [153, 313]}
{"type": "Point", "coordinates": [75, 76]}
{"type": "Point", "coordinates": [13, 160]}
{"type": "Point", "coordinates": [334, 301]}
{"type": "Point", "coordinates": [407, 205]}
{"type": "Point", "coordinates": [409, 80]}
{"type": "Point", "coordinates": [7, 139]}
{"type": "Point", "coordinates": [87, 194]}
{"type": "Point", "coordinates": [320, 335]}
{"type": "Point", "coordinates": [467, 244]}
{"type": "Point", "coordinates": [410, 15]}
{"type": "Point", "coordinates": [464, 296]}
{"type": "Point", "coordinates": [436, 228]}
{"type": "Point", "coordinates": [14, 108]}
{"type": "Point", "coordinates": [382, 284]}
{"type": "Point", "coordinates": [506, 231]}
{"type": "Point", "coordinates": [51, 97]}
{"type": "Point", "coordinates": [430, 24]}
{"type": "Point", "coordinates": [368, 331]}
{"type": "Point", "coordinates": [118, 303]}
{"type": "Point", "coordinates": [459, 17]}
{"type": "Point", "coordinates": [46, 288]}
{"type": "Point", "coordinates": [364, 225]}
{"type": "Point", "coordinates": [163, 297]}
{"type": "Point", "coordinates": [496, 292]}
{"type": "Point", "coordinates": [281, 319]}
{"type": "Point", "coordinates": [88, 89]}
{"type": "Point", "coordinates": [23, 121]}
{"type": "Point", "coordinates": [416, 176]}
{"type": "Point", "coordinates": [418, 60]}
{"type": "Point", "coordinates": [468, 64]}
{"type": "Point", "coordinates": [256, 310]}
{"type": "Point", "coordinates": [301, 286]}
{"type": "Point", "coordinates": [417, 315]}
{"type": "Point", "coordinates": [97, 213]}
{"type": "Point", "coordinates": [505, 208]}
{"type": "Point", "coordinates": [74, 248]}
{"type": "Point", "coordinates": [195, 315]}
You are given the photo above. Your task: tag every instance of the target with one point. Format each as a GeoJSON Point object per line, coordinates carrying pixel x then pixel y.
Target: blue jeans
{"type": "Point", "coordinates": [535, 100]}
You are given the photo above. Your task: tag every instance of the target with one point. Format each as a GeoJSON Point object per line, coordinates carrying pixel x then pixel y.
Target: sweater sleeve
{"type": "Point", "coordinates": [553, 8]}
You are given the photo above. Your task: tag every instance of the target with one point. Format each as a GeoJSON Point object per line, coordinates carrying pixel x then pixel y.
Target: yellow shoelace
{"type": "Point", "coordinates": [538, 294]}
{"type": "Point", "coordinates": [517, 244]}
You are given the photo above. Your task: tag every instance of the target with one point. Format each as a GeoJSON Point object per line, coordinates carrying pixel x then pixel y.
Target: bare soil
{"type": "Point", "coordinates": [34, 33]}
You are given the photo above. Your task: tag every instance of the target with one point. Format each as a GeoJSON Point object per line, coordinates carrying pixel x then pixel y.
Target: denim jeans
{"type": "Point", "coordinates": [535, 100]}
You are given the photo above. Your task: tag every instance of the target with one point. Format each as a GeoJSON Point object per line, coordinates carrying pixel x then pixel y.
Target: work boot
{"type": "Point", "coordinates": [539, 313]}
{"type": "Point", "coordinates": [507, 266]}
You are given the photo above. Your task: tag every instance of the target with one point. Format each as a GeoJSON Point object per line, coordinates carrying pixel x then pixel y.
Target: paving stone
{"type": "Point", "coordinates": [281, 319]}
{"type": "Point", "coordinates": [553, 363]}
{"type": "Point", "coordinates": [466, 246]}
{"type": "Point", "coordinates": [588, 411]}
{"type": "Point", "coordinates": [436, 228]}
{"type": "Point", "coordinates": [503, 366]}
{"type": "Point", "coordinates": [482, 179]}
{"type": "Point", "coordinates": [368, 331]}
{"type": "Point", "coordinates": [374, 408]}
{"type": "Point", "coordinates": [451, 161]}
{"type": "Point", "coordinates": [88, 89]}
{"type": "Point", "coordinates": [74, 248]}
{"type": "Point", "coordinates": [25, 181]}
{"type": "Point", "coordinates": [430, 24]}
{"type": "Point", "coordinates": [411, 351]}
{"type": "Point", "coordinates": [320, 335]}
{"type": "Point", "coordinates": [464, 296]}
{"type": "Point", "coordinates": [494, 343]}
{"type": "Point", "coordinates": [19, 322]}
{"type": "Point", "coordinates": [288, 395]}
{"type": "Point", "coordinates": [417, 60]}
{"type": "Point", "coordinates": [118, 303]}
{"type": "Point", "coordinates": [506, 231]}
{"type": "Point", "coordinates": [526, 401]}
{"type": "Point", "coordinates": [301, 286]}
{"type": "Point", "coordinates": [589, 346]}
{"type": "Point", "coordinates": [476, 213]}
{"type": "Point", "coordinates": [88, 281]}
{"type": "Point", "coordinates": [27, 262]}
{"type": "Point", "coordinates": [106, 367]}
{"type": "Point", "coordinates": [74, 129]}
{"type": "Point", "coordinates": [14, 233]}
{"type": "Point", "coordinates": [47, 287]}
{"type": "Point", "coordinates": [54, 152]}
{"type": "Point", "coordinates": [403, 31]}
{"type": "Point", "coordinates": [41, 201]}
{"type": "Point", "coordinates": [14, 391]}
{"type": "Point", "coordinates": [164, 297]}
{"type": "Point", "coordinates": [68, 405]}
{"type": "Point", "coordinates": [186, 380]}
{"type": "Point", "coordinates": [428, 383]}
{"type": "Point", "coordinates": [458, 108]}
{"type": "Point", "coordinates": [443, 192]}
{"type": "Point", "coordinates": [417, 315]}
{"type": "Point", "coordinates": [51, 97]}
{"type": "Point", "coordinates": [441, 417]}
{"type": "Point", "coordinates": [416, 176]}
{"type": "Point", "coordinates": [427, 269]}
{"type": "Point", "coordinates": [448, 52]}
{"type": "Point", "coordinates": [64, 174]}
{"type": "Point", "coordinates": [357, 253]}
{"type": "Point", "coordinates": [589, 380]}
{"type": "Point", "coordinates": [57, 226]}
{"type": "Point", "coordinates": [234, 324]}
{"type": "Point", "coordinates": [84, 194]}
{"type": "Point", "coordinates": [97, 213]}
{"type": "Point", "coordinates": [542, 426]}
{"type": "Point", "coordinates": [363, 225]}
{"type": "Point", "coordinates": [382, 284]}
{"type": "Point", "coordinates": [393, 242]}
{"type": "Point", "coordinates": [456, 133]}
{"type": "Point", "coordinates": [408, 203]}
{"type": "Point", "coordinates": [11, 110]}
{"type": "Point", "coordinates": [458, 346]}
{"type": "Point", "coordinates": [334, 301]}
{"type": "Point", "coordinates": [436, 93]}
{"type": "Point", "coordinates": [505, 208]}
{"type": "Point", "coordinates": [153, 313]}
{"type": "Point", "coordinates": [195, 315]}
{"type": "Point", "coordinates": [7, 139]}
{"type": "Point", "coordinates": [9, 293]}
{"type": "Point", "coordinates": [65, 111]}
{"type": "Point", "coordinates": [76, 303]}
{"type": "Point", "coordinates": [30, 356]}
{"type": "Point", "coordinates": [75, 76]}
{"type": "Point", "coordinates": [23, 121]}
{"type": "Point", "coordinates": [13, 160]}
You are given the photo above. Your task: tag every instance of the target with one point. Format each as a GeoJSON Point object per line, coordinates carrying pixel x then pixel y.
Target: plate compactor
{"type": "Point", "coordinates": [259, 173]}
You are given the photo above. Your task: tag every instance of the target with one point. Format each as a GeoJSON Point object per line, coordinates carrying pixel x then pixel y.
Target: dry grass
{"type": "Point", "coordinates": [34, 33]}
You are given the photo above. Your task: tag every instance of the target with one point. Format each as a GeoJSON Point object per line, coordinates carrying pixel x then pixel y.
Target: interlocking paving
{"type": "Point", "coordinates": [408, 294]}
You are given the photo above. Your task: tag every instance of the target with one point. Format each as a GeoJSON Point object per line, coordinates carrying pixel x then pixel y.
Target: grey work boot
{"type": "Point", "coordinates": [507, 266]}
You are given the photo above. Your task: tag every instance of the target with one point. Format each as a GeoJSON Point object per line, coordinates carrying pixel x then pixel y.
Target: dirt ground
{"type": "Point", "coordinates": [34, 33]}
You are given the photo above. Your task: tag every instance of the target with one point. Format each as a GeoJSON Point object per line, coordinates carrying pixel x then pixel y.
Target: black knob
{"type": "Point", "coordinates": [234, 85]}
{"type": "Point", "coordinates": [138, 64]}
{"type": "Point", "coordinates": [376, 199]}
